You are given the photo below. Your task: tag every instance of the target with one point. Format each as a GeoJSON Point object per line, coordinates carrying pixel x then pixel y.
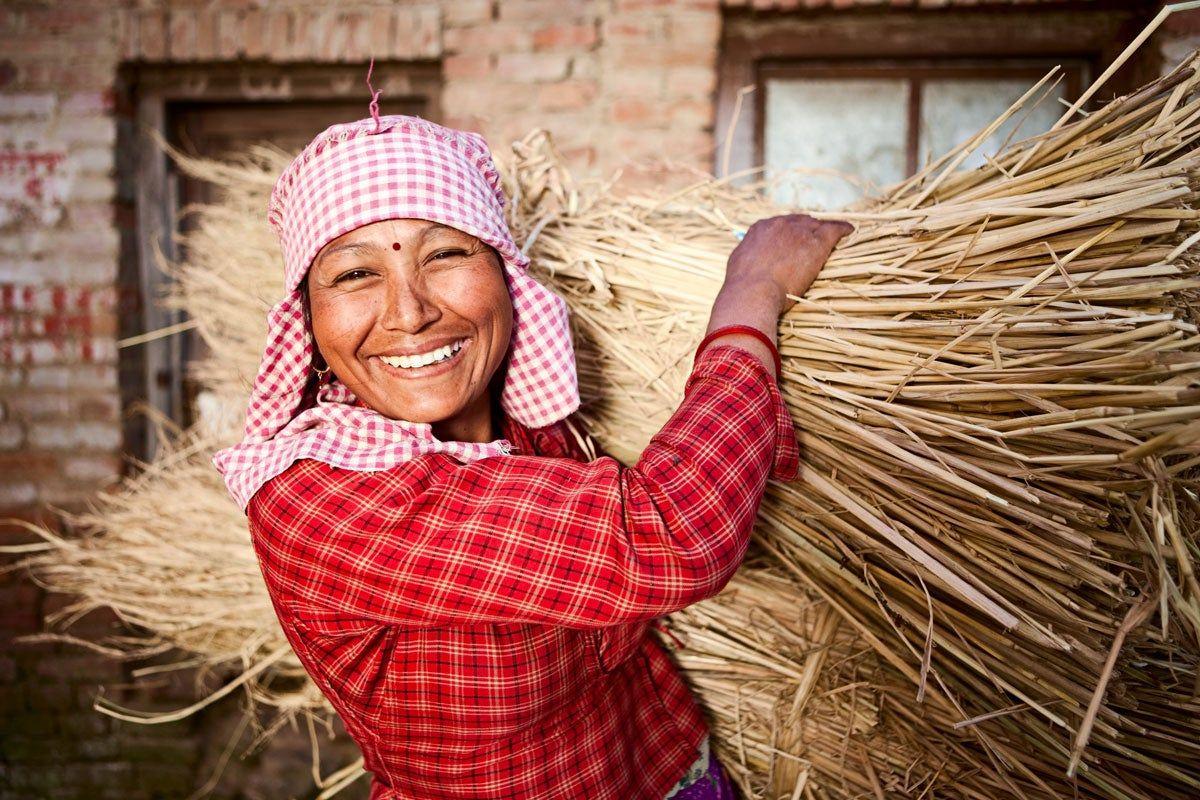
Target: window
{"type": "Point", "coordinates": [833, 103]}
{"type": "Point", "coordinates": [832, 132]}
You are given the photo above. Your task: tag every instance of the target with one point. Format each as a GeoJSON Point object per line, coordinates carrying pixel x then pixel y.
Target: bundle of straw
{"type": "Point", "coordinates": [997, 384]}
{"type": "Point", "coordinates": [984, 585]}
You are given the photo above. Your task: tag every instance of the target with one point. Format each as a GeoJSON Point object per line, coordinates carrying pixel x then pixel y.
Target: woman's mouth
{"type": "Point", "coordinates": [425, 363]}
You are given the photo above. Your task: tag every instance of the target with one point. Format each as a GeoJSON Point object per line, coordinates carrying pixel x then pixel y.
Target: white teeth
{"type": "Point", "coordinates": [422, 359]}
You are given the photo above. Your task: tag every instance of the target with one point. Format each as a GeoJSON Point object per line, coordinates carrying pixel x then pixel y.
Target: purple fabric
{"type": "Point", "coordinates": [714, 784]}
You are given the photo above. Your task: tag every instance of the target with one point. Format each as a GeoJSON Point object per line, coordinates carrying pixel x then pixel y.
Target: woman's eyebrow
{"type": "Point", "coordinates": [356, 248]}
{"type": "Point", "coordinates": [437, 229]}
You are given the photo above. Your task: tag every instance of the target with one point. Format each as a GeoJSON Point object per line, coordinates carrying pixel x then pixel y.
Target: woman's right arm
{"type": "Point", "coordinates": [544, 540]}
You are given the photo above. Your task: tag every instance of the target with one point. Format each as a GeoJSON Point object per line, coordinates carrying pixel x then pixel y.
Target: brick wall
{"type": "Point", "coordinates": [619, 82]}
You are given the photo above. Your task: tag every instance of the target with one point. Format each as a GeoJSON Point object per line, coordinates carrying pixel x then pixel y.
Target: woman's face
{"type": "Point", "coordinates": [413, 317]}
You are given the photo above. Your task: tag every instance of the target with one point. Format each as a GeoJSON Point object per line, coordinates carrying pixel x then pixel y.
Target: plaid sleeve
{"type": "Point", "coordinates": [534, 539]}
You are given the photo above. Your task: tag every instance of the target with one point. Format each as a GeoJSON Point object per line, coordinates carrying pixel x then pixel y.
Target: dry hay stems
{"type": "Point", "coordinates": [174, 526]}
{"type": "Point", "coordinates": [996, 387]}
{"type": "Point", "coordinates": [995, 381]}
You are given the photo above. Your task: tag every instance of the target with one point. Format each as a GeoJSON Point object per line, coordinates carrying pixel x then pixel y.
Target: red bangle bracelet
{"type": "Point", "coordinates": [729, 330]}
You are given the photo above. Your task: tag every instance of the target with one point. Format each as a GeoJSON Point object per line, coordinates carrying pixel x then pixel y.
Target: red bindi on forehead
{"type": "Point", "coordinates": [395, 245]}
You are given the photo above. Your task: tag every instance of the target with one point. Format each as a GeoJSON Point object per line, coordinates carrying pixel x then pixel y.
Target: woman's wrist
{"type": "Point", "coordinates": [755, 297]}
{"type": "Point", "coordinates": [747, 338]}
{"type": "Point", "coordinates": [753, 302]}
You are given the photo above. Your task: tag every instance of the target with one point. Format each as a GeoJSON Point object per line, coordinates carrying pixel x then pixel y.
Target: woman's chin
{"type": "Point", "coordinates": [417, 411]}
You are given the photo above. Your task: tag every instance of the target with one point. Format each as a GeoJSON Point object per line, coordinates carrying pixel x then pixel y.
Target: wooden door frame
{"type": "Point", "coordinates": [148, 194]}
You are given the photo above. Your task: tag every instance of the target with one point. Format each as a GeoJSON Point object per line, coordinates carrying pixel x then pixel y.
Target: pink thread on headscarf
{"type": "Point", "coordinates": [373, 106]}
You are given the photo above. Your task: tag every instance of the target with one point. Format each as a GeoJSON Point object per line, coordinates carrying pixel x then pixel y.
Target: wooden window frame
{"type": "Point", "coordinates": [1087, 34]}
{"type": "Point", "coordinates": [152, 374]}
{"type": "Point", "coordinates": [916, 73]}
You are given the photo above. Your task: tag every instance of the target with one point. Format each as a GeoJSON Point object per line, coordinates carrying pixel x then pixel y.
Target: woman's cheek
{"type": "Point", "coordinates": [341, 322]}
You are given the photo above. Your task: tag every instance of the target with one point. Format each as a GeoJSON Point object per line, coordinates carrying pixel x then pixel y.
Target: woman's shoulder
{"type": "Point", "coordinates": [567, 438]}
{"type": "Point", "coordinates": [311, 488]}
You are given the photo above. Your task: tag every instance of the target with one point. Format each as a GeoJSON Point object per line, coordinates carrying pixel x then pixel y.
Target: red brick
{"type": "Point", "coordinates": [39, 406]}
{"type": "Point", "coordinates": [45, 352]}
{"type": "Point", "coordinates": [540, 10]}
{"type": "Point", "coordinates": [462, 121]}
{"type": "Point", "coordinates": [642, 5]}
{"type": "Point", "coordinates": [638, 112]}
{"type": "Point", "coordinates": [486, 98]}
{"type": "Point", "coordinates": [229, 34]}
{"type": "Point", "coordinates": [253, 33]}
{"type": "Point", "coordinates": [27, 104]}
{"type": "Point", "coordinates": [578, 36]}
{"type": "Point", "coordinates": [566, 95]}
{"type": "Point", "coordinates": [127, 34]}
{"type": "Point", "coordinates": [22, 466]}
{"type": "Point", "coordinates": [277, 36]}
{"type": "Point", "coordinates": [699, 30]}
{"type": "Point", "coordinates": [636, 28]}
{"type": "Point", "coordinates": [80, 376]}
{"type": "Point", "coordinates": [641, 82]}
{"type": "Point", "coordinates": [90, 215]}
{"type": "Point", "coordinates": [466, 12]}
{"type": "Point", "coordinates": [327, 35]}
{"type": "Point", "coordinates": [62, 20]}
{"type": "Point", "coordinates": [659, 56]}
{"type": "Point", "coordinates": [206, 34]}
{"type": "Point", "coordinates": [358, 35]}
{"type": "Point", "coordinates": [466, 66]}
{"type": "Point", "coordinates": [181, 34]}
{"type": "Point", "coordinates": [152, 35]}
{"type": "Point", "coordinates": [92, 469]}
{"type": "Point", "coordinates": [691, 81]}
{"type": "Point", "coordinates": [533, 67]}
{"type": "Point", "coordinates": [693, 114]}
{"type": "Point", "coordinates": [97, 407]}
{"type": "Point", "coordinates": [101, 101]}
{"type": "Point", "coordinates": [300, 36]}
{"type": "Point", "coordinates": [418, 33]}
{"type": "Point", "coordinates": [95, 129]}
{"type": "Point", "coordinates": [379, 31]}
{"type": "Point", "coordinates": [75, 435]}
{"type": "Point", "coordinates": [12, 435]}
{"type": "Point", "coordinates": [498, 37]}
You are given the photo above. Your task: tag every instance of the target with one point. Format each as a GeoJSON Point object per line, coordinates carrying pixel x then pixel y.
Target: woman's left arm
{"type": "Point", "coordinates": [531, 539]}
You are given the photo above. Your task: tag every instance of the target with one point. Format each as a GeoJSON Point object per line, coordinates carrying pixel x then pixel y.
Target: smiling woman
{"type": "Point", "coordinates": [414, 318]}
{"type": "Point", "coordinates": [464, 580]}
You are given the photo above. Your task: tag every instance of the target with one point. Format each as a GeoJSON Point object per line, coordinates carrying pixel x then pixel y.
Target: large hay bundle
{"type": "Point", "coordinates": [984, 583]}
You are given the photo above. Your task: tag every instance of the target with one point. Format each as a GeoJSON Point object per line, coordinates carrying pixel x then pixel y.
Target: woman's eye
{"type": "Point", "coordinates": [453, 252]}
{"type": "Point", "coordinates": [351, 275]}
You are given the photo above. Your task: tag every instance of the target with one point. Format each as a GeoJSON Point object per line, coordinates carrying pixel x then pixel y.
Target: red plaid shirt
{"type": "Point", "coordinates": [482, 629]}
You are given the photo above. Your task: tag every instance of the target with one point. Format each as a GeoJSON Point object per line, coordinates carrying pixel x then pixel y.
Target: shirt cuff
{"type": "Point", "coordinates": [716, 358]}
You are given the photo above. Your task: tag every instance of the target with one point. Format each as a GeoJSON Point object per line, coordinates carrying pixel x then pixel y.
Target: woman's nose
{"type": "Point", "coordinates": [408, 307]}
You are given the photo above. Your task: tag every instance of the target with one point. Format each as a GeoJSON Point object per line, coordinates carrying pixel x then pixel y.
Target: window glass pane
{"type": "Point", "coordinates": [854, 126]}
{"type": "Point", "coordinates": [955, 109]}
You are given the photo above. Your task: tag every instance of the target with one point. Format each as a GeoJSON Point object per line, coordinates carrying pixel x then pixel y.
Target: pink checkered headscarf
{"type": "Point", "coordinates": [353, 174]}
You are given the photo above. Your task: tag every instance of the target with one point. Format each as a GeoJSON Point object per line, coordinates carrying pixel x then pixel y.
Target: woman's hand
{"type": "Point", "coordinates": [784, 252]}
{"type": "Point", "coordinates": [779, 256]}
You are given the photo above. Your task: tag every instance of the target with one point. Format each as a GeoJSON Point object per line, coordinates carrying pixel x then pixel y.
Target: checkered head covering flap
{"type": "Point", "coordinates": [354, 174]}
